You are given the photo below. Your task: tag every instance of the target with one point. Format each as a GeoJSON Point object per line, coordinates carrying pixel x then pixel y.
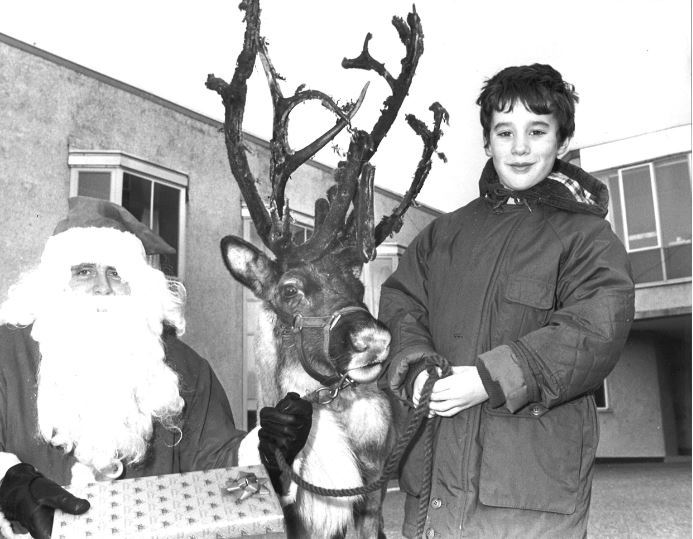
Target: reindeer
{"type": "Point", "coordinates": [315, 335]}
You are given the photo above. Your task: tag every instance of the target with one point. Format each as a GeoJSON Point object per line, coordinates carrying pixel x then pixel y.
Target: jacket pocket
{"type": "Point", "coordinates": [530, 462]}
{"type": "Point", "coordinates": [530, 291]}
{"type": "Point", "coordinates": [525, 305]}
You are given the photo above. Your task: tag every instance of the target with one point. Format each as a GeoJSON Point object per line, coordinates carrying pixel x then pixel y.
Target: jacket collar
{"type": "Point", "coordinates": [567, 187]}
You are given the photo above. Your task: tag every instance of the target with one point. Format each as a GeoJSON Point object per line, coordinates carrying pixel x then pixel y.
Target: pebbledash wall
{"type": "Point", "coordinates": [57, 115]}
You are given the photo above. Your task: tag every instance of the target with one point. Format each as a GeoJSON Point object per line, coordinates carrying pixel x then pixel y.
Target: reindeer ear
{"type": "Point", "coordinates": [248, 265]}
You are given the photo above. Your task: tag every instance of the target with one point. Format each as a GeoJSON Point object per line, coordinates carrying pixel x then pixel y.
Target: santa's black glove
{"type": "Point", "coordinates": [30, 499]}
{"type": "Point", "coordinates": [284, 427]}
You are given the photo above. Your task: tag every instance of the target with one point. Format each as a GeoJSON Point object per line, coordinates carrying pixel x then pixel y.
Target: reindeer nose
{"type": "Point", "coordinates": [358, 343]}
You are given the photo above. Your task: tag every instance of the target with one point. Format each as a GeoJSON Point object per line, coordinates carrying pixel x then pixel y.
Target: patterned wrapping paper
{"type": "Point", "coordinates": [189, 505]}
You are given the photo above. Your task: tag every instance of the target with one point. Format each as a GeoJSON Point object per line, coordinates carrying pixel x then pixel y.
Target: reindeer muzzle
{"type": "Point", "coordinates": [339, 380]}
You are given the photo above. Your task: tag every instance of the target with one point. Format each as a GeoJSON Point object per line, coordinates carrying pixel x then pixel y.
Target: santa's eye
{"type": "Point", "coordinates": [83, 270]}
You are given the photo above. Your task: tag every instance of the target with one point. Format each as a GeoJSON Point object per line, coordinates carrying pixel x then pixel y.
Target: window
{"type": "Point", "coordinates": [376, 272]}
{"type": "Point", "coordinates": [300, 233]}
{"type": "Point", "coordinates": [601, 397]}
{"type": "Point", "coordinates": [153, 194]}
{"type": "Point", "coordinates": [651, 213]}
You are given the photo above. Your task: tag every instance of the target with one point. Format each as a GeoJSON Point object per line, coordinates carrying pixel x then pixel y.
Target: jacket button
{"type": "Point", "coordinates": [536, 409]}
{"type": "Point", "coordinates": [436, 503]}
{"type": "Point", "coordinates": [430, 533]}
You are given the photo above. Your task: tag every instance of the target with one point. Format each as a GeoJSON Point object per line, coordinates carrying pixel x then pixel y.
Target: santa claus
{"type": "Point", "coordinates": [94, 381]}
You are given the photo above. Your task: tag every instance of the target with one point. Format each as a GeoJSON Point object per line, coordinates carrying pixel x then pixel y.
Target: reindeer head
{"type": "Point", "coordinates": [313, 288]}
{"type": "Point", "coordinates": [320, 319]}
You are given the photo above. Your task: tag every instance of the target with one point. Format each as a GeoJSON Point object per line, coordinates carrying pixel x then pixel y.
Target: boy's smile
{"type": "Point", "coordinates": [524, 146]}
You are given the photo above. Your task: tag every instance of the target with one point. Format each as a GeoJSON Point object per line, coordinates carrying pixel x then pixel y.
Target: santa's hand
{"type": "Point", "coordinates": [30, 499]}
{"type": "Point", "coordinates": [285, 427]}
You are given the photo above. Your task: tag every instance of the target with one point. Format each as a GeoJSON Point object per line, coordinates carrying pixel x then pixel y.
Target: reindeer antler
{"type": "Point", "coordinates": [360, 224]}
{"type": "Point", "coordinates": [273, 225]}
{"type": "Point", "coordinates": [411, 35]}
{"type": "Point", "coordinates": [284, 160]}
{"type": "Point", "coordinates": [357, 233]}
{"type": "Point", "coordinates": [233, 96]}
{"type": "Point", "coordinates": [391, 224]}
{"type": "Point", "coordinates": [353, 177]}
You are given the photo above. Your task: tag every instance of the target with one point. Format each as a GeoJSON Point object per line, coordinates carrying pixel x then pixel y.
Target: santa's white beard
{"type": "Point", "coordinates": [102, 378]}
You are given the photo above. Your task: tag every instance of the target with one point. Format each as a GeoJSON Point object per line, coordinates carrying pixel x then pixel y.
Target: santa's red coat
{"type": "Point", "coordinates": [209, 436]}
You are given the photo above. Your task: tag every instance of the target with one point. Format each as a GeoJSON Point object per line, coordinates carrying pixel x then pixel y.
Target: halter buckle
{"type": "Point", "coordinates": [297, 323]}
{"type": "Point", "coordinates": [325, 395]}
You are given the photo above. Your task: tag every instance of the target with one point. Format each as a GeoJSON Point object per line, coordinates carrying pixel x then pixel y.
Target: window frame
{"type": "Point", "coordinates": [118, 163]}
{"type": "Point", "coordinates": [651, 164]}
{"type": "Point", "coordinates": [655, 203]}
{"type": "Point", "coordinates": [387, 250]}
{"type": "Point", "coordinates": [607, 398]}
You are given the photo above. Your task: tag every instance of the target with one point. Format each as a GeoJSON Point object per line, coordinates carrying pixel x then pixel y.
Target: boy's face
{"type": "Point", "coordinates": [524, 146]}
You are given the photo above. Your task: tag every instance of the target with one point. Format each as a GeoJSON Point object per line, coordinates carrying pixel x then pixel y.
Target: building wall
{"type": "Point", "coordinates": [632, 426]}
{"type": "Point", "coordinates": [51, 106]}
{"type": "Point", "coordinates": [49, 109]}
{"type": "Point", "coordinates": [651, 401]}
{"type": "Point", "coordinates": [672, 338]}
{"type": "Point", "coordinates": [635, 149]}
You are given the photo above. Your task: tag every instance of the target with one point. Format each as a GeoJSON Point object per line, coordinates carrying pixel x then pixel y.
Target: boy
{"type": "Point", "coordinates": [528, 295]}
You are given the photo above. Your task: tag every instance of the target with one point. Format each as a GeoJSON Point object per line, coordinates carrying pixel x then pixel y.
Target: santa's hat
{"type": "Point", "coordinates": [87, 212]}
{"type": "Point", "coordinates": [99, 231]}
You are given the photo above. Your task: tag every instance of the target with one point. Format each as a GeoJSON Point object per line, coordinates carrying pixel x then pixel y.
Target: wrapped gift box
{"type": "Point", "coordinates": [214, 504]}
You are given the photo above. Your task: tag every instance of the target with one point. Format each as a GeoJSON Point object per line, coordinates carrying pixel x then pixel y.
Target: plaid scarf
{"type": "Point", "coordinates": [567, 187]}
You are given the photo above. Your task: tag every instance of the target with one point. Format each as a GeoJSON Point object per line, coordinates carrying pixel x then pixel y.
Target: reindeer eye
{"type": "Point", "coordinates": [289, 291]}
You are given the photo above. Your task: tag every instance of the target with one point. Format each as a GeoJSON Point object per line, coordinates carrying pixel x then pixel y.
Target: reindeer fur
{"type": "Point", "coordinates": [350, 435]}
{"type": "Point", "coordinates": [319, 276]}
{"type": "Point", "coordinates": [355, 424]}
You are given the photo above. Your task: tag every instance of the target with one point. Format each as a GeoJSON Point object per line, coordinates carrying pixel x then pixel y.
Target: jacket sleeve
{"type": "Point", "coordinates": [8, 349]}
{"type": "Point", "coordinates": [403, 309]}
{"type": "Point", "coordinates": [582, 340]}
{"type": "Point", "coordinates": [209, 437]}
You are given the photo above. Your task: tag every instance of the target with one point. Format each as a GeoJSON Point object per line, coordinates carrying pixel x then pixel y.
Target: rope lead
{"type": "Point", "coordinates": [415, 420]}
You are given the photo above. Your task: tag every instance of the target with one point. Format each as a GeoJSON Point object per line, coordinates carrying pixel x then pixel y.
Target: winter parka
{"type": "Point", "coordinates": [539, 296]}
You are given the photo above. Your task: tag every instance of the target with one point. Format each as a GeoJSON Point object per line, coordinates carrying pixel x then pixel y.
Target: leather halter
{"type": "Point", "coordinates": [294, 331]}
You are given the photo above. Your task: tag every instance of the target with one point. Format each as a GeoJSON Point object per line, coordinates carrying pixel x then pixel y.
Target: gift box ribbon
{"type": "Point", "coordinates": [245, 485]}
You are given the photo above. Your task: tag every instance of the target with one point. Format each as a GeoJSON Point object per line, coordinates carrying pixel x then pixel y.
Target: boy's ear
{"type": "Point", "coordinates": [564, 146]}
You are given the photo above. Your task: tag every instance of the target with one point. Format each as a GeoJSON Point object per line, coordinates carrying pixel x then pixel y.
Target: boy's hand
{"type": "Point", "coordinates": [419, 383]}
{"type": "Point", "coordinates": [459, 391]}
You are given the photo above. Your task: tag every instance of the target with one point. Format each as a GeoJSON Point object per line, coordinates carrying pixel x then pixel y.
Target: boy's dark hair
{"type": "Point", "coordinates": [539, 87]}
